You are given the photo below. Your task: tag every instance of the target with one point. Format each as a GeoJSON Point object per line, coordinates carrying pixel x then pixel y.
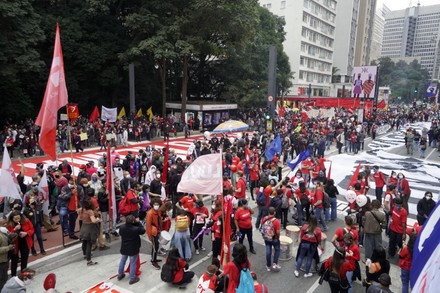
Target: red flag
{"type": "Point", "coordinates": [329, 171]}
{"type": "Point", "coordinates": [55, 98]}
{"type": "Point", "coordinates": [95, 114]}
{"type": "Point", "coordinates": [381, 104]}
{"type": "Point", "coordinates": [72, 111]}
{"type": "Point", "coordinates": [165, 163]}
{"type": "Point", "coordinates": [110, 187]}
{"type": "Point", "coordinates": [354, 178]}
{"type": "Point", "coordinates": [225, 256]}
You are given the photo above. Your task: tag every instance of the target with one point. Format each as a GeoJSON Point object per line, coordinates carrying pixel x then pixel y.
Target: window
{"type": "Point", "coordinates": [283, 4]}
{"type": "Point", "coordinates": [269, 6]}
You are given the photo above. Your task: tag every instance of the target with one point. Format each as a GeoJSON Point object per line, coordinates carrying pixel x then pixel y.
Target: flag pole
{"type": "Point", "coordinates": [70, 141]}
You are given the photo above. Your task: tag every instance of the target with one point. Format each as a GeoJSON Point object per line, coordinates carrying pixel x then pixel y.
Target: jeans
{"type": "Point", "coordinates": [318, 215]}
{"type": "Point", "coordinates": [276, 245]}
{"type": "Point", "coordinates": [73, 215]}
{"type": "Point", "coordinates": [306, 249]}
{"type": "Point", "coordinates": [349, 275]}
{"type": "Point", "coordinates": [24, 256]}
{"type": "Point", "coordinates": [133, 260]}
{"type": "Point", "coordinates": [104, 221]}
{"type": "Point", "coordinates": [63, 145]}
{"type": "Point", "coordinates": [404, 276]}
{"type": "Point", "coordinates": [327, 214]}
{"type": "Point", "coordinates": [395, 240]}
{"type": "Point", "coordinates": [372, 242]}
{"type": "Point", "coordinates": [248, 233]}
{"type": "Point", "coordinates": [262, 212]}
{"type": "Point", "coordinates": [284, 213]}
{"type": "Point", "coordinates": [37, 232]}
{"type": "Point", "coordinates": [300, 209]}
{"type": "Point", "coordinates": [63, 218]}
{"type": "Point", "coordinates": [379, 191]}
{"type": "Point", "coordinates": [182, 243]}
{"type": "Point", "coordinates": [333, 208]}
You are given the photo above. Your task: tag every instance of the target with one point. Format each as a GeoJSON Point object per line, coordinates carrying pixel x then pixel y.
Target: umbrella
{"type": "Point", "coordinates": [230, 126]}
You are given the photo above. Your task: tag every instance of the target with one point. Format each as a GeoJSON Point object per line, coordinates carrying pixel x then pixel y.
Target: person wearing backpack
{"type": "Point", "coordinates": [130, 246]}
{"type": "Point", "coordinates": [270, 230]}
{"type": "Point", "coordinates": [310, 236]}
{"type": "Point", "coordinates": [303, 202]}
{"type": "Point", "coordinates": [176, 267]}
{"type": "Point", "coordinates": [181, 238]}
{"type": "Point", "coordinates": [243, 223]}
{"type": "Point", "coordinates": [238, 271]}
{"type": "Point", "coordinates": [285, 203]}
{"type": "Point", "coordinates": [338, 268]}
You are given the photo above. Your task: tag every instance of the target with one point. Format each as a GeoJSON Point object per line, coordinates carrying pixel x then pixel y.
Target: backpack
{"type": "Point", "coordinates": [246, 283]}
{"type": "Point", "coordinates": [261, 199]}
{"type": "Point", "coordinates": [285, 201]}
{"type": "Point", "coordinates": [182, 223]}
{"type": "Point", "coordinates": [124, 207]}
{"type": "Point", "coordinates": [267, 229]}
{"type": "Point", "coordinates": [304, 200]}
{"type": "Point", "coordinates": [326, 202]}
{"type": "Point", "coordinates": [334, 278]}
{"type": "Point", "coordinates": [167, 273]}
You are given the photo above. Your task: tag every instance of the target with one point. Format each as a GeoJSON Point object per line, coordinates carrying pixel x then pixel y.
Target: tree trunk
{"type": "Point", "coordinates": [184, 93]}
{"type": "Point", "coordinates": [163, 71]}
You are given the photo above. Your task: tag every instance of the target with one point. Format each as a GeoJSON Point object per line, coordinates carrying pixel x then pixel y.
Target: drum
{"type": "Point", "coordinates": [293, 233]}
{"type": "Point", "coordinates": [285, 248]}
{"type": "Point", "coordinates": [164, 238]}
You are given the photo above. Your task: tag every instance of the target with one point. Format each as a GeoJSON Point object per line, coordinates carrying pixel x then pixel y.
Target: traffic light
{"type": "Point", "coordinates": [267, 117]}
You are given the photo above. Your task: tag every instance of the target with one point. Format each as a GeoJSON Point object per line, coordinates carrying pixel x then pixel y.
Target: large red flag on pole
{"type": "Point", "coordinates": [354, 178]}
{"type": "Point", "coordinates": [55, 98]}
{"type": "Point", "coordinates": [94, 115]}
{"type": "Point", "coordinates": [110, 186]}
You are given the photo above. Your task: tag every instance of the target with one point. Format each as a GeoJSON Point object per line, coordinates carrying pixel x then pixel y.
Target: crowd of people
{"type": "Point", "coordinates": [309, 197]}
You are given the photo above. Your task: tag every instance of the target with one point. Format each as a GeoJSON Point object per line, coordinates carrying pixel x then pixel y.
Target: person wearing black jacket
{"type": "Point", "coordinates": [424, 207]}
{"type": "Point", "coordinates": [35, 215]}
{"type": "Point", "coordinates": [332, 192]}
{"type": "Point", "coordinates": [130, 246]}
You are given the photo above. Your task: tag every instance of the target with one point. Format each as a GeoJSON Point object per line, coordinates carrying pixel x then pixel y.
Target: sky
{"type": "Point", "coordinates": [402, 4]}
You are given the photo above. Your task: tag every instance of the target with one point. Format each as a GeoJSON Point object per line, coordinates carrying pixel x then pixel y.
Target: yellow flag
{"type": "Point", "coordinates": [150, 113]}
{"type": "Point", "coordinates": [121, 113]}
{"type": "Point", "coordinates": [139, 113]}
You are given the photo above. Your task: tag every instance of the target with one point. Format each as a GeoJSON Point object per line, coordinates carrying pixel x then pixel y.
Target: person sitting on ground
{"type": "Point", "coordinates": [18, 283]}
{"type": "Point", "coordinates": [208, 281]}
{"type": "Point", "coordinates": [259, 288]}
{"type": "Point", "coordinates": [181, 274]}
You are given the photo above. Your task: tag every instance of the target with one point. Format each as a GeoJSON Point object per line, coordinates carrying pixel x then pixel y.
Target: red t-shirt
{"type": "Point", "coordinates": [318, 196]}
{"type": "Point", "coordinates": [306, 165]}
{"type": "Point", "coordinates": [299, 194]}
{"type": "Point", "coordinates": [340, 235]}
{"type": "Point", "coordinates": [398, 217]}
{"type": "Point", "coordinates": [187, 202]}
{"type": "Point", "coordinates": [234, 275]}
{"type": "Point", "coordinates": [131, 195]}
{"type": "Point", "coordinates": [356, 253]}
{"type": "Point", "coordinates": [254, 173]}
{"type": "Point", "coordinates": [241, 183]}
{"type": "Point", "coordinates": [405, 259]}
{"type": "Point", "coordinates": [216, 229]}
{"type": "Point", "coordinates": [227, 184]}
{"type": "Point", "coordinates": [198, 218]}
{"type": "Point", "coordinates": [267, 193]}
{"type": "Point", "coordinates": [259, 288]}
{"type": "Point", "coordinates": [379, 179]}
{"type": "Point", "coordinates": [181, 263]}
{"type": "Point", "coordinates": [314, 237]}
{"type": "Point", "coordinates": [347, 266]}
{"type": "Point", "coordinates": [244, 218]}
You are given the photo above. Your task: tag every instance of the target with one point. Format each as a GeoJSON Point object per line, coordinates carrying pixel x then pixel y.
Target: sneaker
{"type": "Point", "coordinates": [203, 248]}
{"type": "Point", "coordinates": [43, 252]}
{"type": "Point", "coordinates": [308, 275]}
{"type": "Point", "coordinates": [116, 234]}
{"type": "Point", "coordinates": [121, 276]}
{"type": "Point", "coordinates": [197, 252]}
{"type": "Point", "coordinates": [135, 280]}
{"type": "Point", "coordinates": [276, 266]}
{"type": "Point", "coordinates": [155, 265]}
{"type": "Point", "coordinates": [252, 251]}
{"type": "Point", "coordinates": [268, 268]}
{"type": "Point", "coordinates": [296, 273]}
{"type": "Point", "coordinates": [161, 253]}
{"type": "Point", "coordinates": [92, 263]}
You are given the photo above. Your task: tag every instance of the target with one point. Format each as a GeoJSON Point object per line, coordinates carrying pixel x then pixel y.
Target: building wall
{"type": "Point", "coordinates": [364, 32]}
{"type": "Point", "coordinates": [310, 40]}
{"type": "Point", "coordinates": [377, 37]}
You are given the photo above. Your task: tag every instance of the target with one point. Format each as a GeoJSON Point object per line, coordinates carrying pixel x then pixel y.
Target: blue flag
{"type": "Point", "coordinates": [296, 161]}
{"type": "Point", "coordinates": [272, 148]}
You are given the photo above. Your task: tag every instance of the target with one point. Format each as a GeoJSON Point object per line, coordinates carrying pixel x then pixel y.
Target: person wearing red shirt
{"type": "Point", "coordinates": [310, 237]}
{"type": "Point", "coordinates": [240, 260]}
{"type": "Point", "coordinates": [403, 188]}
{"type": "Point", "coordinates": [397, 227]}
{"type": "Point", "coordinates": [275, 241]}
{"type": "Point", "coordinates": [318, 205]}
{"type": "Point", "coordinates": [132, 196]}
{"type": "Point", "coordinates": [405, 261]}
{"type": "Point", "coordinates": [186, 203]}
{"type": "Point", "coordinates": [254, 176]}
{"type": "Point", "coordinates": [338, 264]}
{"type": "Point", "coordinates": [240, 186]}
{"type": "Point", "coordinates": [353, 255]}
{"type": "Point", "coordinates": [306, 166]}
{"type": "Point", "coordinates": [216, 229]}
{"type": "Point", "coordinates": [226, 183]}
{"type": "Point", "coordinates": [392, 180]}
{"type": "Point", "coordinates": [379, 179]}
{"type": "Point", "coordinates": [243, 222]}
{"type": "Point", "coordinates": [181, 275]}
{"type": "Point", "coordinates": [258, 287]}
{"type": "Point", "coordinates": [338, 237]}
{"type": "Point", "coordinates": [208, 280]}
{"type": "Point", "coordinates": [200, 213]}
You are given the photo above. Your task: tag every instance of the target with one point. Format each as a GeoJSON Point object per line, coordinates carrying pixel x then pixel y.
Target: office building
{"type": "Point", "coordinates": [364, 33]}
{"type": "Point", "coordinates": [379, 25]}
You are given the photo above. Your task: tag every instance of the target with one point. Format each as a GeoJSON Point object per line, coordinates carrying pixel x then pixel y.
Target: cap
{"type": "Point", "coordinates": [385, 279]}
{"type": "Point", "coordinates": [82, 166]}
{"type": "Point", "coordinates": [50, 281]}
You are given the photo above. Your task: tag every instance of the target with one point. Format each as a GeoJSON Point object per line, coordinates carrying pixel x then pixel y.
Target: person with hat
{"type": "Point", "coordinates": [383, 286]}
{"type": "Point", "coordinates": [397, 227]}
{"type": "Point", "coordinates": [90, 168]}
{"type": "Point", "coordinates": [83, 173]}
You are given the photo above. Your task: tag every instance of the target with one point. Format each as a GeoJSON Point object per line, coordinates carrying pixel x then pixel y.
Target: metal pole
{"type": "Point", "coordinates": [271, 86]}
{"type": "Point", "coordinates": [131, 88]}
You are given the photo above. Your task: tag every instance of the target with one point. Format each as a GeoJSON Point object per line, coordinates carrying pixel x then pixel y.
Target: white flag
{"type": "Point", "coordinates": [203, 176]}
{"type": "Point", "coordinates": [8, 183]}
{"type": "Point", "coordinates": [109, 114]}
{"type": "Point", "coordinates": [44, 187]}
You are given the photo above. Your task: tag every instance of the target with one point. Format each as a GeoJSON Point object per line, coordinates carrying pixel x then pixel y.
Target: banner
{"type": "Point", "coordinates": [364, 81]}
{"type": "Point", "coordinates": [321, 113]}
{"type": "Point", "coordinates": [72, 111]}
{"type": "Point", "coordinates": [8, 182]}
{"type": "Point", "coordinates": [431, 90]}
{"type": "Point", "coordinates": [203, 176]}
{"type": "Point", "coordinates": [83, 136]}
{"type": "Point", "coordinates": [109, 114]}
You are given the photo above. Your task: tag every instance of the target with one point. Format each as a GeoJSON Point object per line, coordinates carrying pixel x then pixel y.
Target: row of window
{"type": "Point", "coordinates": [314, 64]}
{"type": "Point", "coordinates": [317, 38]}
{"type": "Point", "coordinates": [314, 77]}
{"type": "Point", "coordinates": [317, 23]}
{"type": "Point", "coordinates": [316, 51]}
{"type": "Point", "coordinates": [320, 11]}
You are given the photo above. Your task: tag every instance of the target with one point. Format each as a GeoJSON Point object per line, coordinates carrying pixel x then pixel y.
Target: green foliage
{"type": "Point", "coordinates": [402, 78]}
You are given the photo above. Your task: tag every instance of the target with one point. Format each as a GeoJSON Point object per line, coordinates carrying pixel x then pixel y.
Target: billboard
{"type": "Point", "coordinates": [364, 81]}
{"type": "Point", "coordinates": [431, 89]}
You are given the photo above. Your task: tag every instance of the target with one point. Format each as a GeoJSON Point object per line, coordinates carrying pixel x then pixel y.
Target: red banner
{"type": "Point", "coordinates": [72, 111]}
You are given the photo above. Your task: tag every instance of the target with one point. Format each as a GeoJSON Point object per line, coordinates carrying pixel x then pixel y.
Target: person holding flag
{"type": "Point", "coordinates": [273, 148]}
